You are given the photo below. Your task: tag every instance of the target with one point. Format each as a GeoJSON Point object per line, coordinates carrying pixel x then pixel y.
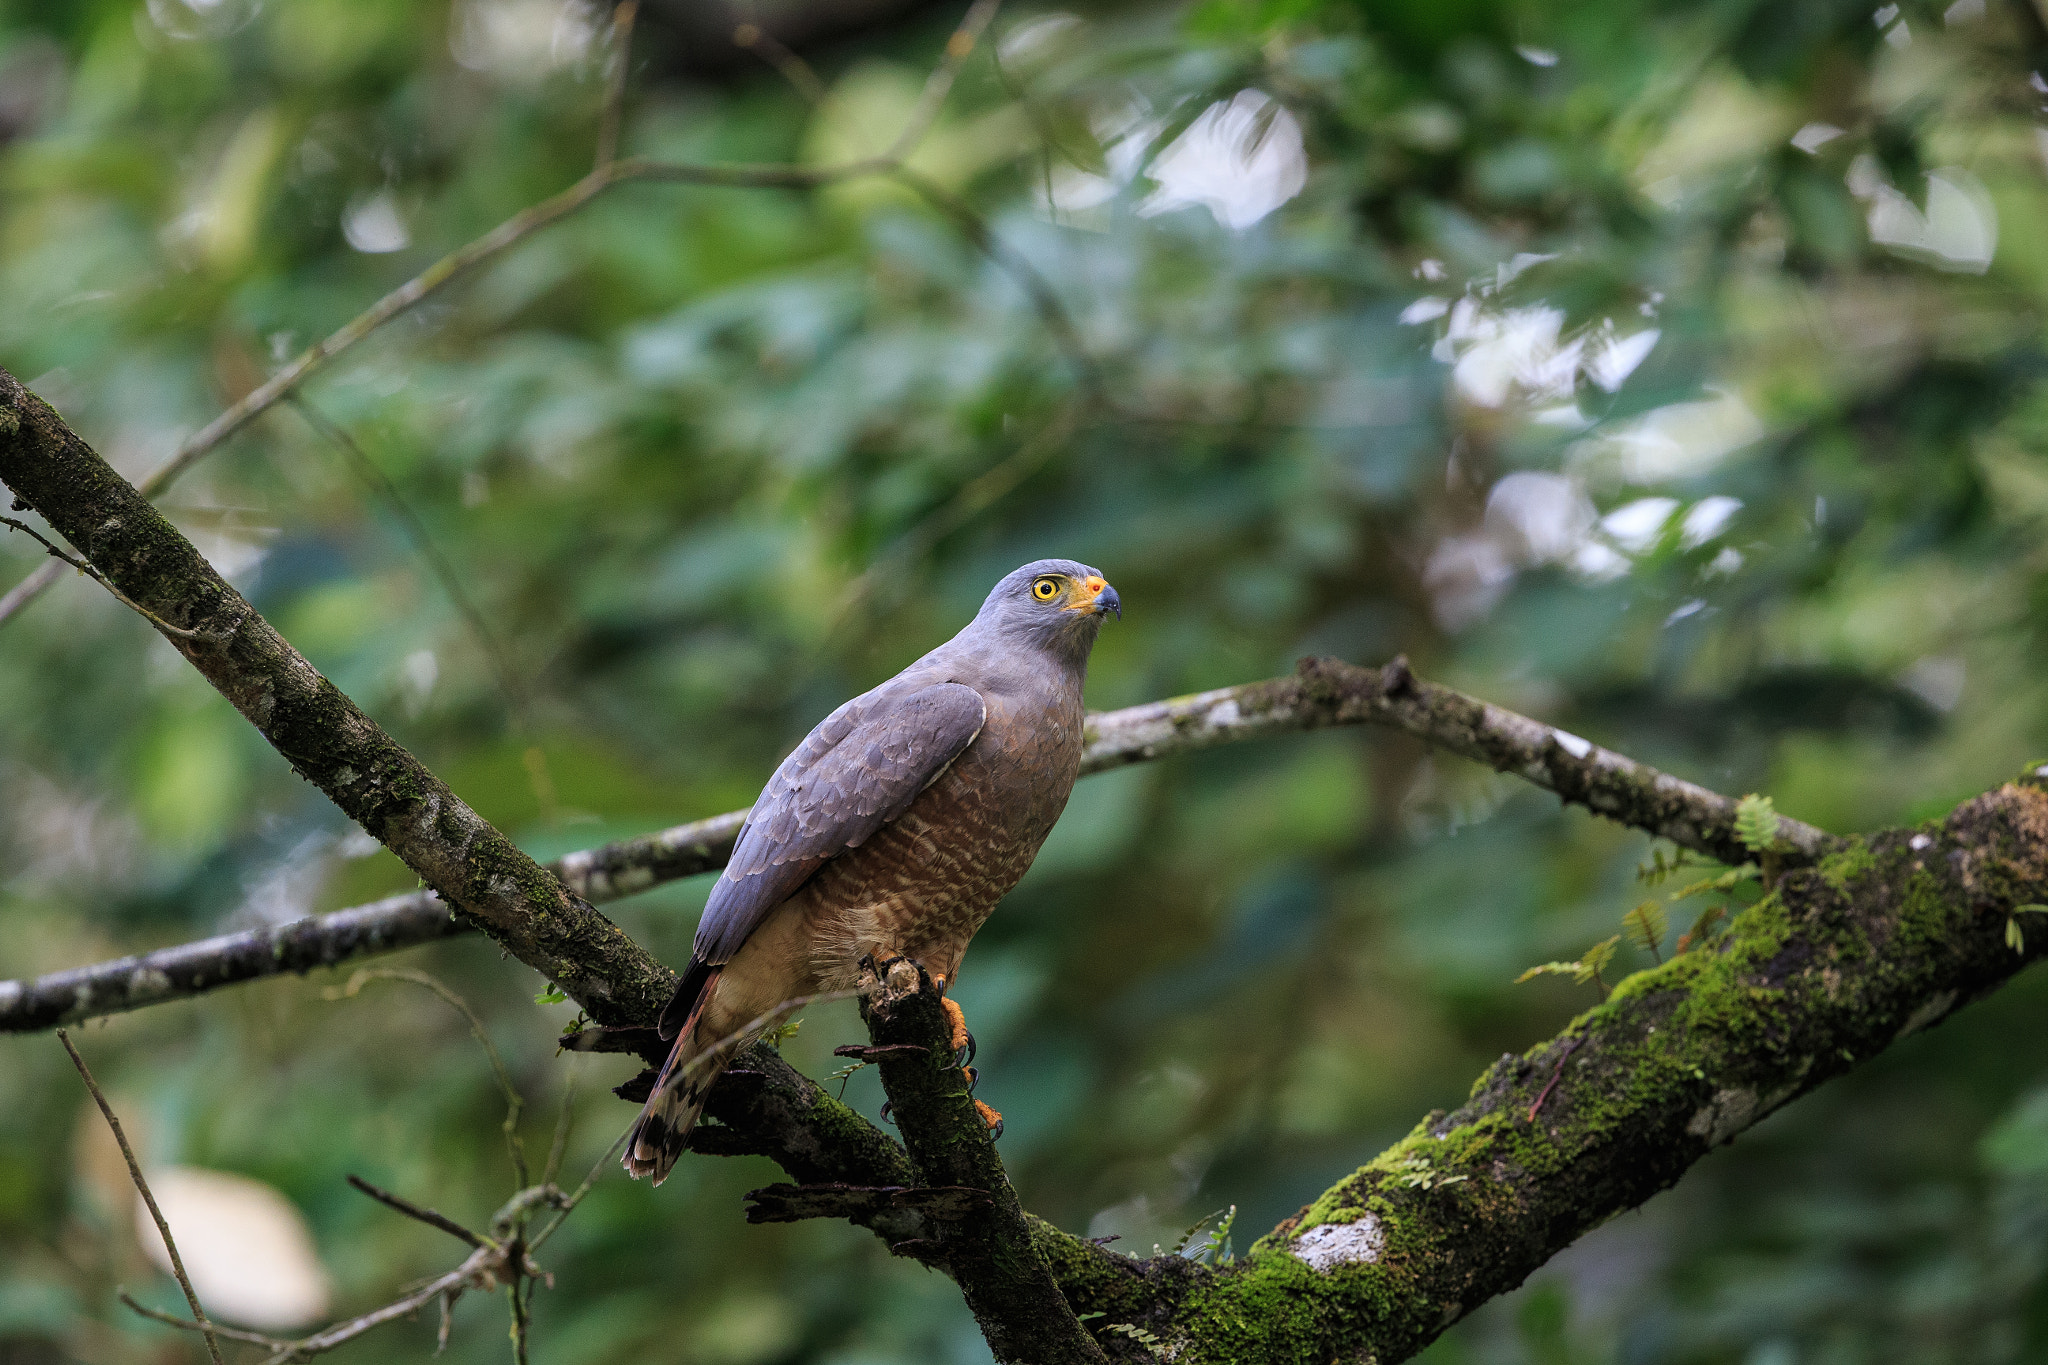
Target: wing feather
{"type": "Point", "coordinates": [858, 770]}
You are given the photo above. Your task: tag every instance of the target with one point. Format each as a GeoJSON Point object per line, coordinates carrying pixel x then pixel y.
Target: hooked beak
{"type": "Point", "coordinates": [1095, 597]}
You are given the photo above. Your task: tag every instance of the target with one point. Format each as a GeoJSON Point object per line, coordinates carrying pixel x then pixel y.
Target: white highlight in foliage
{"type": "Point", "coordinates": [1679, 440]}
{"type": "Point", "coordinates": [1937, 680]}
{"type": "Point", "coordinates": [1635, 526]}
{"type": "Point", "coordinates": [1957, 231]}
{"type": "Point", "coordinates": [1241, 159]}
{"type": "Point", "coordinates": [1539, 518]}
{"type": "Point", "coordinates": [1616, 358]}
{"type": "Point", "coordinates": [522, 40]}
{"type": "Point", "coordinates": [1706, 519]}
{"type": "Point", "coordinates": [1333, 1244]}
{"type": "Point", "coordinates": [245, 1245]}
{"type": "Point", "coordinates": [1425, 309]}
{"type": "Point", "coordinates": [1815, 136]}
{"type": "Point", "coordinates": [373, 224]}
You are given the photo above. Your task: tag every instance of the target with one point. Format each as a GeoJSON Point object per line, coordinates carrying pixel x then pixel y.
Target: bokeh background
{"type": "Point", "coordinates": [1674, 372]}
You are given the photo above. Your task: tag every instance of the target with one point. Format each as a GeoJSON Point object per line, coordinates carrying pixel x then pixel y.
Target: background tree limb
{"type": "Point", "coordinates": [1320, 694]}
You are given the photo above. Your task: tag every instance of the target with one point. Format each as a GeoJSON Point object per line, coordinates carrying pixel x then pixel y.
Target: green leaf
{"type": "Point", "coordinates": [1646, 926]}
{"type": "Point", "coordinates": [551, 996]}
{"type": "Point", "coordinates": [2014, 939]}
{"type": "Point", "coordinates": [1727, 881]}
{"type": "Point", "coordinates": [1597, 957]}
{"type": "Point", "coordinates": [1549, 969]}
{"type": "Point", "coordinates": [1756, 824]}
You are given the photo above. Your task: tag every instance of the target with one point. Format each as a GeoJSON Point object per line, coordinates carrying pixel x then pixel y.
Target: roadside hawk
{"type": "Point", "coordinates": [890, 832]}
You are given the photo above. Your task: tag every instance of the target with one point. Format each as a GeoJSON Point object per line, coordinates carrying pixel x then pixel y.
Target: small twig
{"type": "Point", "coordinates": [560, 1145]}
{"type": "Point", "coordinates": [615, 87]}
{"type": "Point", "coordinates": [788, 64]}
{"type": "Point", "coordinates": [514, 1104]}
{"type": "Point", "coordinates": [187, 1325]}
{"type": "Point", "coordinates": [974, 497]}
{"type": "Point", "coordinates": [416, 531]}
{"type": "Point", "coordinates": [937, 85]}
{"type": "Point", "coordinates": [1571, 1045]}
{"type": "Point", "coordinates": [96, 576]}
{"type": "Point", "coordinates": [1044, 300]}
{"type": "Point", "coordinates": [411, 1210]}
{"type": "Point", "coordinates": [518, 702]}
{"type": "Point", "coordinates": [142, 1188]}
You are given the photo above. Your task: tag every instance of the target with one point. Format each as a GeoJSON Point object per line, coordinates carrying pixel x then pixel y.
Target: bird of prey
{"type": "Point", "coordinates": [890, 832]}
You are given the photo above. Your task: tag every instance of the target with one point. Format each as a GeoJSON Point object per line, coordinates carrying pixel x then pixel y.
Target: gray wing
{"type": "Point", "coordinates": [860, 769]}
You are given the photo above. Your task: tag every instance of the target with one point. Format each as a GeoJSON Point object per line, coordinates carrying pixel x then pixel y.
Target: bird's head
{"type": "Point", "coordinates": [1055, 602]}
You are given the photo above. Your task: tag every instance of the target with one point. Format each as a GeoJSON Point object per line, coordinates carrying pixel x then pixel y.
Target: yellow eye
{"type": "Point", "coordinates": [1045, 589]}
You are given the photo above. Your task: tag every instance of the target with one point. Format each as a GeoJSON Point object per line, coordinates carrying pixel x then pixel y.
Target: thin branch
{"type": "Point", "coordinates": [517, 228]}
{"type": "Point", "coordinates": [1323, 693]}
{"type": "Point", "coordinates": [787, 64]}
{"type": "Point", "coordinates": [380, 484]}
{"type": "Point", "coordinates": [975, 496]}
{"type": "Point", "coordinates": [96, 576]}
{"type": "Point", "coordinates": [560, 1145]}
{"type": "Point", "coordinates": [187, 1325]}
{"type": "Point", "coordinates": [142, 1187]}
{"type": "Point", "coordinates": [411, 1210]}
{"type": "Point", "coordinates": [514, 1102]}
{"type": "Point", "coordinates": [621, 56]}
{"type": "Point", "coordinates": [937, 85]}
{"type": "Point", "coordinates": [1044, 300]}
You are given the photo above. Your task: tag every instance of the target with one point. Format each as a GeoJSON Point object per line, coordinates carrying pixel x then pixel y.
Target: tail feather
{"type": "Point", "coordinates": [663, 1129]}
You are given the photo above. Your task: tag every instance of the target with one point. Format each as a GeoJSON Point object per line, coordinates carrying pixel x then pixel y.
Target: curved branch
{"type": "Point", "coordinates": [1883, 938]}
{"type": "Point", "coordinates": [1321, 693]}
{"type": "Point", "coordinates": [320, 732]}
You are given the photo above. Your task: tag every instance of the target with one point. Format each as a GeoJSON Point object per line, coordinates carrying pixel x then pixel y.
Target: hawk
{"type": "Point", "coordinates": [890, 832]}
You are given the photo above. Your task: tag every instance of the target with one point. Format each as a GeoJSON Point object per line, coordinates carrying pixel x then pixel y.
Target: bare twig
{"type": "Point", "coordinates": [975, 496]}
{"type": "Point", "coordinates": [788, 64]}
{"type": "Point", "coordinates": [142, 1187]}
{"type": "Point", "coordinates": [514, 1102]}
{"type": "Point", "coordinates": [937, 85]}
{"type": "Point", "coordinates": [96, 576]}
{"type": "Point", "coordinates": [380, 484]}
{"type": "Point", "coordinates": [187, 1325]}
{"type": "Point", "coordinates": [562, 1123]}
{"type": "Point", "coordinates": [621, 57]}
{"type": "Point", "coordinates": [405, 1206]}
{"type": "Point", "coordinates": [1051, 312]}
{"type": "Point", "coordinates": [466, 258]}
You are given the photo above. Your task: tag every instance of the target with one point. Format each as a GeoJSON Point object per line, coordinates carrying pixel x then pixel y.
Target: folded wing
{"type": "Point", "coordinates": [858, 770]}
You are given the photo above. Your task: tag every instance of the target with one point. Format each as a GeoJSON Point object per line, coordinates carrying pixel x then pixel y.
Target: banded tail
{"type": "Point", "coordinates": [663, 1128]}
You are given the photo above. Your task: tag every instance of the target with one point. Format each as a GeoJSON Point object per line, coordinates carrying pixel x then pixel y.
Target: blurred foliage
{"type": "Point", "coordinates": [1673, 372]}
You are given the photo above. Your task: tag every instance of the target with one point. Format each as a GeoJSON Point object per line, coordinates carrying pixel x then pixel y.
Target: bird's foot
{"type": "Point", "coordinates": [991, 1118]}
{"type": "Point", "coordinates": [961, 1040]}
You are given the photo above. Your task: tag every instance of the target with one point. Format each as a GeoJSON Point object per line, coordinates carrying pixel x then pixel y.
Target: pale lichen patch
{"type": "Point", "coordinates": [1333, 1244]}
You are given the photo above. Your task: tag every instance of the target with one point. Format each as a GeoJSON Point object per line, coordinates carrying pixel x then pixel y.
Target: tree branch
{"type": "Point", "coordinates": [320, 732]}
{"type": "Point", "coordinates": [1320, 694]}
{"type": "Point", "coordinates": [987, 1247]}
{"type": "Point", "coordinates": [608, 172]}
{"type": "Point", "coordinates": [199, 1319]}
{"type": "Point", "coordinates": [1885, 935]}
